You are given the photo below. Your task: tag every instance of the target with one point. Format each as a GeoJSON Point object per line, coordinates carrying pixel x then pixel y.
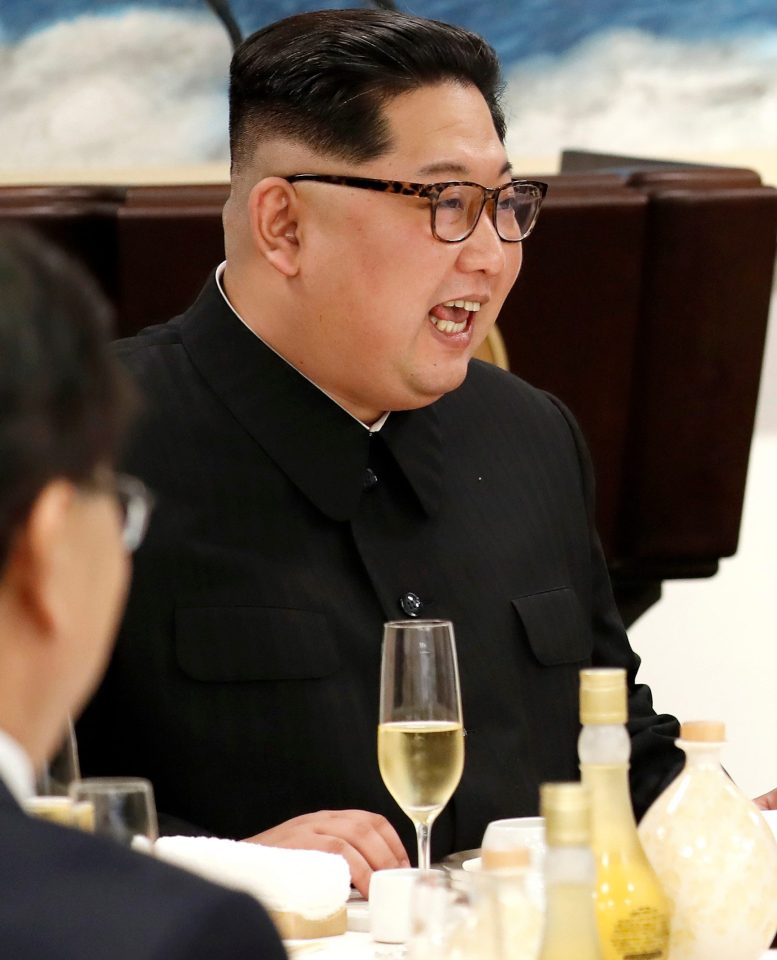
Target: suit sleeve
{"type": "Point", "coordinates": [232, 926]}
{"type": "Point", "coordinates": [655, 761]}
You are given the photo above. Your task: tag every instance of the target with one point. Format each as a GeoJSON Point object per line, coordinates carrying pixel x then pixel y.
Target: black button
{"type": "Point", "coordinates": [370, 479]}
{"type": "Point", "coordinates": [411, 604]}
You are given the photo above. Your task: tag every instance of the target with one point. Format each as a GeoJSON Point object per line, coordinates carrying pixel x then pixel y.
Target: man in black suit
{"type": "Point", "coordinates": [63, 576]}
{"type": "Point", "coordinates": [326, 457]}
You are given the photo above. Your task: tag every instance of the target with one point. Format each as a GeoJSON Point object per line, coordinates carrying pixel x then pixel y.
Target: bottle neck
{"type": "Point", "coordinates": [569, 865]}
{"type": "Point", "coordinates": [604, 763]}
{"type": "Point", "coordinates": [612, 815]}
{"type": "Point", "coordinates": [604, 743]}
{"type": "Point", "coordinates": [702, 755]}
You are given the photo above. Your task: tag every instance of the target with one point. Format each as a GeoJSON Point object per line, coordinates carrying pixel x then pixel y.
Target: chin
{"type": "Point", "coordinates": [454, 377]}
{"type": "Point", "coordinates": [430, 392]}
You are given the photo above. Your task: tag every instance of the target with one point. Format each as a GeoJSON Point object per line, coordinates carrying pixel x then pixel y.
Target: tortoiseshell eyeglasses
{"type": "Point", "coordinates": [457, 204]}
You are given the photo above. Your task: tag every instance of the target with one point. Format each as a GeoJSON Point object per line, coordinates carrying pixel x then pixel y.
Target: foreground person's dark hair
{"type": "Point", "coordinates": [322, 78]}
{"type": "Point", "coordinates": [63, 399]}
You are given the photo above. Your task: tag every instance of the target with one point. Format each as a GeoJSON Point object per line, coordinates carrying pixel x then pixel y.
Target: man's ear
{"type": "Point", "coordinates": [273, 210]}
{"type": "Point", "coordinates": [35, 559]}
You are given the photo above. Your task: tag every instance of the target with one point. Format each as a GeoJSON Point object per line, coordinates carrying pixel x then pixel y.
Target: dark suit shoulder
{"type": "Point", "coordinates": [159, 335]}
{"type": "Point", "coordinates": [492, 381]}
{"type": "Point", "coordinates": [103, 901]}
{"type": "Point", "coordinates": [503, 398]}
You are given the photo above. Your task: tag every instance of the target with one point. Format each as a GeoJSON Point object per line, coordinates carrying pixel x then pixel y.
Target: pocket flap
{"type": "Point", "coordinates": [253, 643]}
{"type": "Point", "coordinates": [555, 626]}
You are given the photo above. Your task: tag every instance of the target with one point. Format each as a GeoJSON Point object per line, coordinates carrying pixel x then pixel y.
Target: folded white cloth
{"type": "Point", "coordinates": [310, 883]}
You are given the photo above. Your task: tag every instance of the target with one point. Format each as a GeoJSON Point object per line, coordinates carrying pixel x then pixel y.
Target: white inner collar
{"type": "Point", "coordinates": [16, 768]}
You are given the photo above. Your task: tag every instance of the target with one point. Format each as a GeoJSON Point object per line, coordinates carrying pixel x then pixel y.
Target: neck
{"type": "Point", "coordinates": [270, 326]}
{"type": "Point", "coordinates": [30, 709]}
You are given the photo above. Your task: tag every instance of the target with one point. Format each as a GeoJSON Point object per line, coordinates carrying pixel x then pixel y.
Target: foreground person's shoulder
{"type": "Point", "coordinates": [231, 926]}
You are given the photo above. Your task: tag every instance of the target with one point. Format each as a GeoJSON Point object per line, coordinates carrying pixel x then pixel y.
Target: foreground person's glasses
{"type": "Point", "coordinates": [420, 734]}
{"type": "Point", "coordinates": [456, 205]}
{"type": "Point", "coordinates": [136, 502]}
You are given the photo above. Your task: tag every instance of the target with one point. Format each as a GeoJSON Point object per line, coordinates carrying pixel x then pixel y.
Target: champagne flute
{"type": "Point", "coordinates": [122, 808]}
{"type": "Point", "coordinates": [420, 733]}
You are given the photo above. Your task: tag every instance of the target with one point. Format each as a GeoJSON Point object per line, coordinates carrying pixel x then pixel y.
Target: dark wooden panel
{"type": "Point", "coordinates": [165, 256]}
{"type": "Point", "coordinates": [705, 300]}
{"type": "Point", "coordinates": [81, 220]}
{"type": "Point", "coordinates": [570, 321]}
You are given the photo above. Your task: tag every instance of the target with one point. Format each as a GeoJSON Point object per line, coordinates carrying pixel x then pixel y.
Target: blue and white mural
{"type": "Point", "coordinates": [106, 82]}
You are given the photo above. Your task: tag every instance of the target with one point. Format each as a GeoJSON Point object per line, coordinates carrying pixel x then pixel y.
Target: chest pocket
{"type": "Point", "coordinates": [232, 644]}
{"type": "Point", "coordinates": [555, 626]}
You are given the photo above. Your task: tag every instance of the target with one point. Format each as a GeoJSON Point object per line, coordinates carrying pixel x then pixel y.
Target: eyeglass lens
{"type": "Point", "coordinates": [135, 503]}
{"type": "Point", "coordinates": [458, 206]}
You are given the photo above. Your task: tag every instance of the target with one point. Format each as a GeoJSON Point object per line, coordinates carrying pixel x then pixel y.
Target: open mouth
{"type": "Point", "coordinates": [454, 316]}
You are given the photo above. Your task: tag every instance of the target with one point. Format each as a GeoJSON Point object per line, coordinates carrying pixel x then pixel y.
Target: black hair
{"type": "Point", "coordinates": [323, 78]}
{"type": "Point", "coordinates": [64, 402]}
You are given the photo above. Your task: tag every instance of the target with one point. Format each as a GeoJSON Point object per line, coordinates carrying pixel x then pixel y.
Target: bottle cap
{"type": "Point", "coordinates": [567, 811]}
{"type": "Point", "coordinates": [703, 731]}
{"type": "Point", "coordinates": [603, 695]}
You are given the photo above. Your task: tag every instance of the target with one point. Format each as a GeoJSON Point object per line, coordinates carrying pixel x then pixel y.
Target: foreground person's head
{"type": "Point", "coordinates": [355, 284]}
{"type": "Point", "coordinates": [63, 562]}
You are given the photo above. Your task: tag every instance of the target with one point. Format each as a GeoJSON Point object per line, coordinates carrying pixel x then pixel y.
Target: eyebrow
{"type": "Point", "coordinates": [459, 169]}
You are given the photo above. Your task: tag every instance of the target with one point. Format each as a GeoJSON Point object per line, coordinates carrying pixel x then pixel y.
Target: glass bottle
{"type": "Point", "coordinates": [520, 916]}
{"type": "Point", "coordinates": [715, 856]}
{"type": "Point", "coordinates": [570, 923]}
{"type": "Point", "coordinates": [632, 910]}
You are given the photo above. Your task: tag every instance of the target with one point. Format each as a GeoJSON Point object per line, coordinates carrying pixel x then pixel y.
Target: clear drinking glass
{"type": "Point", "coordinates": [420, 733]}
{"type": "Point", "coordinates": [62, 769]}
{"type": "Point", "coordinates": [52, 784]}
{"type": "Point", "coordinates": [456, 916]}
{"type": "Point", "coordinates": [122, 808]}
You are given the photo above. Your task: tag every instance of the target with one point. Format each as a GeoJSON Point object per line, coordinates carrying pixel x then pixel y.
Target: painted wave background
{"type": "Point", "coordinates": [108, 83]}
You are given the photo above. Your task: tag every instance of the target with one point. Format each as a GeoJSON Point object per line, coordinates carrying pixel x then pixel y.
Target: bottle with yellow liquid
{"type": "Point", "coordinates": [632, 911]}
{"type": "Point", "coordinates": [570, 873]}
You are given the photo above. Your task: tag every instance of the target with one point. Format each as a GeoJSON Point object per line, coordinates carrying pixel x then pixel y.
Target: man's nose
{"type": "Point", "coordinates": [483, 249]}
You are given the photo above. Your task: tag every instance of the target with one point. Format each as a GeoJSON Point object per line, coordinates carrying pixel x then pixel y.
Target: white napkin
{"type": "Point", "coordinates": [308, 882]}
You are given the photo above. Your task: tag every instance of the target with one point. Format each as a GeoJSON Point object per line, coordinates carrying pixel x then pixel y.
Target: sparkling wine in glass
{"type": "Point", "coordinates": [420, 733]}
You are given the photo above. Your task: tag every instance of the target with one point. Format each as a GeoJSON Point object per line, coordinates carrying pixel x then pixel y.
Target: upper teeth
{"type": "Point", "coordinates": [471, 305]}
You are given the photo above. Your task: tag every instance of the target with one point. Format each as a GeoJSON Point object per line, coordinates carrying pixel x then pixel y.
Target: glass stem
{"type": "Point", "coordinates": [423, 834]}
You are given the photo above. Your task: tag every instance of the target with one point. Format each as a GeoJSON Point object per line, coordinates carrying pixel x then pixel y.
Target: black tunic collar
{"type": "Point", "coordinates": [319, 446]}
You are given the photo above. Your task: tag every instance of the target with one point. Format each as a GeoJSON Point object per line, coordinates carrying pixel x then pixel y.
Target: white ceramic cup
{"type": "Point", "coordinates": [502, 836]}
{"type": "Point", "coordinates": [391, 898]}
